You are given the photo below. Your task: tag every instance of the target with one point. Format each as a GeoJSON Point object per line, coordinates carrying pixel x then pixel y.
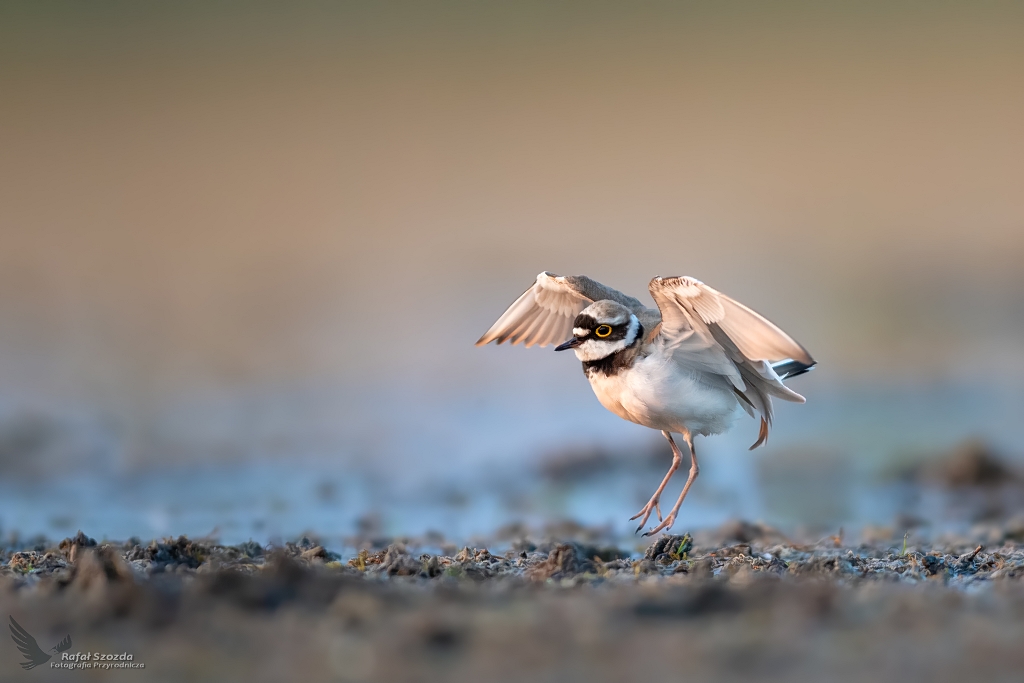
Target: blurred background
{"type": "Point", "coordinates": [247, 248]}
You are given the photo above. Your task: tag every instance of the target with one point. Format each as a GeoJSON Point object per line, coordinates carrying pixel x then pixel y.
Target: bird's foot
{"type": "Point", "coordinates": [664, 526]}
{"type": "Point", "coordinates": [652, 506]}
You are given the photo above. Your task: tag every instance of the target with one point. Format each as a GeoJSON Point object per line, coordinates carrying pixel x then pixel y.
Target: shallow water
{"type": "Point", "coordinates": [472, 469]}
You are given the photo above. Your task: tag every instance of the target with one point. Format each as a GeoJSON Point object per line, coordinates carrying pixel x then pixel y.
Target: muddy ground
{"type": "Point", "coordinates": [739, 602]}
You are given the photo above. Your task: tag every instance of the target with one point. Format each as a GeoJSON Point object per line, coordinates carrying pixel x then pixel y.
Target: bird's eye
{"type": "Point", "coordinates": [603, 330]}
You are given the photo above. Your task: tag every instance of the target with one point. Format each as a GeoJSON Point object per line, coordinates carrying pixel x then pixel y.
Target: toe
{"type": "Point", "coordinates": [664, 526]}
{"type": "Point", "coordinates": [646, 514]}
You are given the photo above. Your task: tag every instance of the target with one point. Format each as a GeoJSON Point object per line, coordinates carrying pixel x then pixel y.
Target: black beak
{"type": "Point", "coordinates": [571, 344]}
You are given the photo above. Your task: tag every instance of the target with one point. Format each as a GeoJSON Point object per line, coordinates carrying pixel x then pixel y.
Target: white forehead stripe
{"type": "Point", "coordinates": [580, 332]}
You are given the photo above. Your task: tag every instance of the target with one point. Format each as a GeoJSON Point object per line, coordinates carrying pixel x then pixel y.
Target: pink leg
{"type": "Point", "coordinates": [694, 471]}
{"type": "Point", "coordinates": [653, 503]}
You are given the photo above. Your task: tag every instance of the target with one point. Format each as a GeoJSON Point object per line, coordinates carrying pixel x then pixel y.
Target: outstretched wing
{"type": "Point", "coordinates": [712, 333]}
{"type": "Point", "coordinates": [63, 645]}
{"type": "Point", "coordinates": [753, 335]}
{"type": "Point", "coordinates": [544, 313]}
{"type": "Point", "coordinates": [27, 645]}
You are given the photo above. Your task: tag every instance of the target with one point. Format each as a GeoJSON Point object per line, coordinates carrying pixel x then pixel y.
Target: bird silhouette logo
{"type": "Point", "coordinates": [34, 656]}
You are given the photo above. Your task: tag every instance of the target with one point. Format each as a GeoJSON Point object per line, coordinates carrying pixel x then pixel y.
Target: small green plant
{"type": "Point", "coordinates": [684, 548]}
{"type": "Point", "coordinates": [903, 551]}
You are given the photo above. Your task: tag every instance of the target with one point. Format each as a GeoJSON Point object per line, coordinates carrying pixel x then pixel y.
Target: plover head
{"type": "Point", "coordinates": [601, 329]}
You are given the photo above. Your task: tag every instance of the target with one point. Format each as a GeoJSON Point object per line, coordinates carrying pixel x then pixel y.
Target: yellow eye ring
{"type": "Point", "coordinates": [603, 331]}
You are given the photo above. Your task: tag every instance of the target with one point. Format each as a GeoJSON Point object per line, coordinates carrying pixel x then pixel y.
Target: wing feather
{"type": "Point", "coordinates": [544, 313]}
{"type": "Point", "coordinates": [534, 332]}
{"type": "Point", "coordinates": [757, 337]}
{"type": "Point", "coordinates": [549, 328]}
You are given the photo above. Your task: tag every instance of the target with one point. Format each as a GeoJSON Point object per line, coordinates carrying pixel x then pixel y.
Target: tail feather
{"type": "Point", "coordinates": [763, 382]}
{"type": "Point", "coordinates": [791, 368]}
{"type": "Point", "coordinates": [762, 435]}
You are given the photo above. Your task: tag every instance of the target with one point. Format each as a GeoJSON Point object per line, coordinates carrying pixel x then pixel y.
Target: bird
{"type": "Point", "coordinates": [34, 655]}
{"type": "Point", "coordinates": [687, 367]}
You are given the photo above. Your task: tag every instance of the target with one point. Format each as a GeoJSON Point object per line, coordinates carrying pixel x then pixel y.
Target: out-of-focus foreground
{"type": "Point", "coordinates": [742, 601]}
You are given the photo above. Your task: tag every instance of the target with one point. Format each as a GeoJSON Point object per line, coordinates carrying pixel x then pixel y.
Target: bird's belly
{"type": "Point", "coordinates": [661, 396]}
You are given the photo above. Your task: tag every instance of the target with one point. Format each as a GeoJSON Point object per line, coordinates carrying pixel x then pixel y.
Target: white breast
{"type": "Point", "coordinates": [656, 392]}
